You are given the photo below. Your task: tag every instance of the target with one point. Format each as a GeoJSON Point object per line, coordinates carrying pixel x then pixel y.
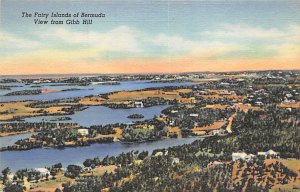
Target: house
{"type": "Point", "coordinates": [10, 177]}
{"type": "Point", "coordinates": [138, 104]}
{"type": "Point", "coordinates": [217, 131]}
{"type": "Point", "coordinates": [174, 111]}
{"type": "Point", "coordinates": [187, 100]}
{"type": "Point", "coordinates": [143, 126]}
{"type": "Point", "coordinates": [87, 169]}
{"type": "Point", "coordinates": [163, 116]}
{"type": "Point", "coordinates": [237, 156]}
{"type": "Point", "coordinates": [158, 154]}
{"type": "Point", "coordinates": [194, 115]}
{"type": "Point", "coordinates": [184, 100]}
{"type": "Point", "coordinates": [261, 153]}
{"type": "Point", "coordinates": [272, 154]}
{"type": "Point", "coordinates": [137, 162]}
{"type": "Point", "coordinates": [259, 103]}
{"type": "Point", "coordinates": [269, 154]}
{"type": "Point", "coordinates": [175, 160]}
{"type": "Point", "coordinates": [171, 122]}
{"type": "Point", "coordinates": [83, 132]}
{"type": "Point", "coordinates": [225, 92]}
{"type": "Point", "coordinates": [250, 157]}
{"type": "Point", "coordinates": [193, 99]}
{"type": "Point", "coordinates": [43, 172]}
{"type": "Point", "coordinates": [286, 101]}
{"type": "Point", "coordinates": [216, 163]}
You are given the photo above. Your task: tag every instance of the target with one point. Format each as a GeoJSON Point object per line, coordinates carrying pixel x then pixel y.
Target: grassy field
{"type": "Point", "coordinates": [136, 95]}
{"type": "Point", "coordinates": [91, 101]}
{"type": "Point", "coordinates": [294, 165]}
{"type": "Point", "coordinates": [50, 185]}
{"type": "Point", "coordinates": [176, 130]}
{"type": "Point", "coordinates": [16, 109]}
{"type": "Point", "coordinates": [19, 109]}
{"type": "Point", "coordinates": [246, 108]}
{"type": "Point", "coordinates": [290, 105]}
{"type": "Point", "coordinates": [216, 106]}
{"type": "Point", "coordinates": [3, 134]}
{"type": "Point", "coordinates": [98, 171]}
{"type": "Point", "coordinates": [214, 126]}
{"type": "Point", "coordinates": [127, 96]}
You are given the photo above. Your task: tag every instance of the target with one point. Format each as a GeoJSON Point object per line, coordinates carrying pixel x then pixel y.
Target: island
{"type": "Point", "coordinates": [135, 116]}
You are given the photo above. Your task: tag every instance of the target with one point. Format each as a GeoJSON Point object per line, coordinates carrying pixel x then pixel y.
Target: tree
{"type": "Point", "coordinates": [73, 171]}
{"type": "Point", "coordinates": [13, 188]}
{"type": "Point", "coordinates": [5, 172]}
{"type": "Point", "coordinates": [53, 173]}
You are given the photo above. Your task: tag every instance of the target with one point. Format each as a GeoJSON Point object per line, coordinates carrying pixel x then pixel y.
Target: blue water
{"type": "Point", "coordinates": [46, 157]}
{"type": "Point", "coordinates": [86, 90]}
{"type": "Point", "coordinates": [92, 116]}
{"type": "Point", "coordinates": [99, 115]}
{"type": "Point", "coordinates": [10, 140]}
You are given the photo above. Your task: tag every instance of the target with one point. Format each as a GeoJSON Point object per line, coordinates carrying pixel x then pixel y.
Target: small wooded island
{"type": "Point", "coordinates": [135, 116]}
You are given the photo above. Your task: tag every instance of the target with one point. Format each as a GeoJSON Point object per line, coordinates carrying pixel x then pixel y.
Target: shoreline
{"type": "Point", "coordinates": [113, 141]}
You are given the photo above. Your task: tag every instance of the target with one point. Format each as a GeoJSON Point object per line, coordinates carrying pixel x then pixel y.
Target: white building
{"type": "Point", "coordinates": [237, 156]}
{"type": "Point", "coordinates": [250, 157]}
{"type": "Point", "coordinates": [10, 177]}
{"type": "Point", "coordinates": [43, 172]}
{"type": "Point", "coordinates": [261, 153]}
{"type": "Point", "coordinates": [272, 153]}
{"type": "Point", "coordinates": [138, 104]}
{"type": "Point", "coordinates": [217, 131]}
{"type": "Point", "coordinates": [216, 163]}
{"type": "Point", "coordinates": [83, 132]}
{"type": "Point", "coordinates": [171, 122]}
{"type": "Point", "coordinates": [175, 160]}
{"type": "Point", "coordinates": [258, 103]}
{"type": "Point", "coordinates": [166, 152]}
{"type": "Point", "coordinates": [158, 154]}
{"type": "Point", "coordinates": [269, 154]}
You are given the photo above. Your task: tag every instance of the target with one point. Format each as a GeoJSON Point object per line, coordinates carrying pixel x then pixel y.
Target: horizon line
{"type": "Point", "coordinates": [150, 73]}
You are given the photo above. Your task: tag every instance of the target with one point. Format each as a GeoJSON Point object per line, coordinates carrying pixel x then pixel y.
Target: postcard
{"type": "Point", "coordinates": [195, 95]}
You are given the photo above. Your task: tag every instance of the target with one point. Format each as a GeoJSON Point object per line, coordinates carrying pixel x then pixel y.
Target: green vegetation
{"type": "Point", "coordinates": [25, 92]}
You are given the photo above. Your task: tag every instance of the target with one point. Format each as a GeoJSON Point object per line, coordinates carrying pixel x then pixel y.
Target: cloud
{"type": "Point", "coordinates": [174, 43]}
{"type": "Point", "coordinates": [275, 42]}
{"type": "Point", "coordinates": [294, 33]}
{"type": "Point", "coordinates": [239, 31]}
{"type": "Point", "coordinates": [80, 49]}
{"type": "Point", "coordinates": [11, 41]}
{"type": "Point", "coordinates": [121, 38]}
{"type": "Point", "coordinates": [199, 49]}
{"type": "Point", "coordinates": [286, 50]}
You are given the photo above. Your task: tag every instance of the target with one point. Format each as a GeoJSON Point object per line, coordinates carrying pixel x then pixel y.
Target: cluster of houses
{"type": "Point", "coordinates": [175, 160]}
{"type": "Point", "coordinates": [248, 157]}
